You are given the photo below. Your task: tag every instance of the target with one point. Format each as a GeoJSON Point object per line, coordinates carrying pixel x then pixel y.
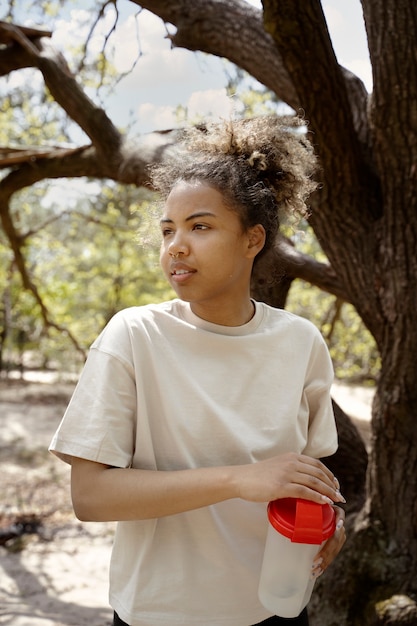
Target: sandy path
{"type": "Point", "coordinates": [58, 577]}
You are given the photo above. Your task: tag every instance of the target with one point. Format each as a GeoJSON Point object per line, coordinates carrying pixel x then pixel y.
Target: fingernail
{"type": "Point", "coordinates": [339, 524]}
{"type": "Point", "coordinates": [317, 563]}
{"type": "Point", "coordinates": [340, 497]}
{"type": "Point", "coordinates": [318, 572]}
{"type": "Point", "coordinates": [327, 500]}
{"type": "Point", "coordinates": [336, 482]}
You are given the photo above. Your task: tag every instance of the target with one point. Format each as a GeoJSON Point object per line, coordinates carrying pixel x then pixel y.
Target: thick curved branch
{"type": "Point", "coordinates": [232, 29]}
{"type": "Point", "coordinates": [285, 260]}
{"type": "Point", "coordinates": [12, 156]}
{"type": "Point", "coordinates": [8, 33]}
{"type": "Point", "coordinates": [69, 95]}
{"type": "Point", "coordinates": [13, 57]}
{"type": "Point", "coordinates": [130, 166]}
{"type": "Point", "coordinates": [81, 161]}
{"type": "Point", "coordinates": [299, 265]}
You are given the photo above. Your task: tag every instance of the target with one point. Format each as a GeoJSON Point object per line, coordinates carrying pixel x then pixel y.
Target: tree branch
{"type": "Point", "coordinates": [235, 30]}
{"type": "Point", "coordinates": [301, 35]}
{"type": "Point", "coordinates": [131, 166]}
{"type": "Point", "coordinates": [65, 89]}
{"type": "Point", "coordinates": [17, 245]}
{"type": "Point", "coordinates": [232, 29]}
{"type": "Point", "coordinates": [12, 56]}
{"type": "Point", "coordinates": [8, 33]}
{"type": "Point", "coordinates": [285, 260]}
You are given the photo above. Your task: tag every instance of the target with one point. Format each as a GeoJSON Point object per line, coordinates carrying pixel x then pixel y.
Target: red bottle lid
{"type": "Point", "coordinates": [302, 521]}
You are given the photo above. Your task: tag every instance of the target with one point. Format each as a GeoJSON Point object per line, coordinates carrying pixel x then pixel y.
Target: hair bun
{"type": "Point", "coordinates": [257, 160]}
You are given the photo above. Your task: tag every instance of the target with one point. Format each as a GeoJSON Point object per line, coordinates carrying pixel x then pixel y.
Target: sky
{"type": "Point", "coordinates": [164, 78]}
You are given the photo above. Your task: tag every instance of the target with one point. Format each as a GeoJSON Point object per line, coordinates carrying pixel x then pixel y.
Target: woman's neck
{"type": "Point", "coordinates": [230, 316]}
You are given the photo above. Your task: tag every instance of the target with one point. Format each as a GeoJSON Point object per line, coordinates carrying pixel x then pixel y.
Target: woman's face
{"type": "Point", "coordinates": [205, 254]}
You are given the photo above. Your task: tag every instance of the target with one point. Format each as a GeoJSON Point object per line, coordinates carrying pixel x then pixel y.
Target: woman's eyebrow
{"type": "Point", "coordinates": [193, 216]}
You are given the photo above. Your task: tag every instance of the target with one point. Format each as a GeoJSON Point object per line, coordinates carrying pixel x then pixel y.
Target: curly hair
{"type": "Point", "coordinates": [262, 167]}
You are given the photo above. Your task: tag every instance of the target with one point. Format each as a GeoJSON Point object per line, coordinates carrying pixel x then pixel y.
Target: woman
{"type": "Point", "coordinates": [190, 415]}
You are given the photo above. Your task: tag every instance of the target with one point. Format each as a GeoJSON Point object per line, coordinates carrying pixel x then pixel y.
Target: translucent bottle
{"type": "Point", "coordinates": [297, 528]}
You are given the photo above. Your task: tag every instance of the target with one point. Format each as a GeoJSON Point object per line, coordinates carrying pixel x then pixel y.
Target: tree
{"type": "Point", "coordinates": [364, 216]}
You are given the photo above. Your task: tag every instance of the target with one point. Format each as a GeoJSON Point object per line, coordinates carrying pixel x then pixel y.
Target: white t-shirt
{"type": "Point", "coordinates": [164, 390]}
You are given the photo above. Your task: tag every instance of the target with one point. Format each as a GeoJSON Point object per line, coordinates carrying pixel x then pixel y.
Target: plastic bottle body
{"type": "Point", "coordinates": [297, 529]}
{"type": "Point", "coordinates": [285, 585]}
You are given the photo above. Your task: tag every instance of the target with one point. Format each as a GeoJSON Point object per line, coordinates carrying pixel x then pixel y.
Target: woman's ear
{"type": "Point", "coordinates": [256, 240]}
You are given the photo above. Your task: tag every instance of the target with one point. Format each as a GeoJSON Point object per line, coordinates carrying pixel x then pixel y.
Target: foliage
{"type": "Point", "coordinates": [82, 240]}
{"type": "Point", "coordinates": [251, 98]}
{"type": "Point", "coordinates": [91, 259]}
{"type": "Point", "coordinates": [84, 253]}
{"type": "Point", "coordinates": [352, 347]}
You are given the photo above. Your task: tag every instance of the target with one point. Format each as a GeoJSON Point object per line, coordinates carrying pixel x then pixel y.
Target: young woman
{"type": "Point", "coordinates": [190, 415]}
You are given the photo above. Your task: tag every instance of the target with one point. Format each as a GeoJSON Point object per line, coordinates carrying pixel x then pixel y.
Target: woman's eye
{"type": "Point", "coordinates": [166, 232]}
{"type": "Point", "coordinates": [200, 227]}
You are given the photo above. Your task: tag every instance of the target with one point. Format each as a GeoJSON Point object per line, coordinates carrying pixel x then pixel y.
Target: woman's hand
{"type": "Point", "coordinates": [288, 475]}
{"type": "Point", "coordinates": [332, 546]}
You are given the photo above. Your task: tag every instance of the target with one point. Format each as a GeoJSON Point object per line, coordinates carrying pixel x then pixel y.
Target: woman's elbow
{"type": "Point", "coordinates": [83, 509]}
{"type": "Point", "coordinates": [85, 490]}
{"type": "Point", "coordinates": [83, 503]}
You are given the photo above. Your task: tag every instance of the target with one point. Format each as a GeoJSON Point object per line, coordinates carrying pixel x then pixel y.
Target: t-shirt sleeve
{"type": "Point", "coordinates": [322, 433]}
{"type": "Point", "coordinates": [99, 423]}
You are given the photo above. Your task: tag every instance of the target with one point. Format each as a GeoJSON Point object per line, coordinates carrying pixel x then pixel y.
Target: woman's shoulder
{"type": "Point", "coordinates": [134, 325]}
{"type": "Point", "coordinates": [133, 321]}
{"type": "Point", "coordinates": [144, 312]}
{"type": "Point", "coordinates": [274, 316]}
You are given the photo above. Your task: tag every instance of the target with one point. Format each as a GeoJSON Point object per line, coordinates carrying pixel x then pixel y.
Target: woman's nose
{"type": "Point", "coordinates": [177, 246]}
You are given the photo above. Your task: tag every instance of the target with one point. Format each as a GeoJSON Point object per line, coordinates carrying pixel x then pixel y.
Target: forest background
{"type": "Point", "coordinates": [91, 246]}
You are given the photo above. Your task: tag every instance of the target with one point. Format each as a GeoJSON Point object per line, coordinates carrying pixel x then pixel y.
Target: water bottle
{"type": "Point", "coordinates": [297, 528]}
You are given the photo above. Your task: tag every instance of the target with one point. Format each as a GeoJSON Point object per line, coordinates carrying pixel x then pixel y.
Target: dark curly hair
{"type": "Point", "coordinates": [261, 166]}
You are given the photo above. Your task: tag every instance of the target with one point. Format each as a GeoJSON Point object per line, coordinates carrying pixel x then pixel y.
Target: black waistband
{"type": "Point", "coordinates": [301, 620]}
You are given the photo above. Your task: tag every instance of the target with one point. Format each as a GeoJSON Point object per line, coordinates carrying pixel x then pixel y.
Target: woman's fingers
{"type": "Point", "coordinates": [332, 546]}
{"type": "Point", "coordinates": [315, 476]}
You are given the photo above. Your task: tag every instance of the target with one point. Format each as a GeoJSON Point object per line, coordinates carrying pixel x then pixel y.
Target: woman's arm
{"type": "Point", "coordinates": [103, 493]}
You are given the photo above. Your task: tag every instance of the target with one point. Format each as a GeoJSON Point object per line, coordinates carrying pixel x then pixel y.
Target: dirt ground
{"type": "Point", "coordinates": [55, 573]}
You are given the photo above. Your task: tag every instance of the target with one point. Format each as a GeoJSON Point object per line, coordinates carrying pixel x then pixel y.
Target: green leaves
{"type": "Point", "coordinates": [88, 263]}
{"type": "Point", "coordinates": [352, 347]}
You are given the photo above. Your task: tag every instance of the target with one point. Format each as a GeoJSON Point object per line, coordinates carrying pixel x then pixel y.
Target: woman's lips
{"type": "Point", "coordinates": [180, 273]}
